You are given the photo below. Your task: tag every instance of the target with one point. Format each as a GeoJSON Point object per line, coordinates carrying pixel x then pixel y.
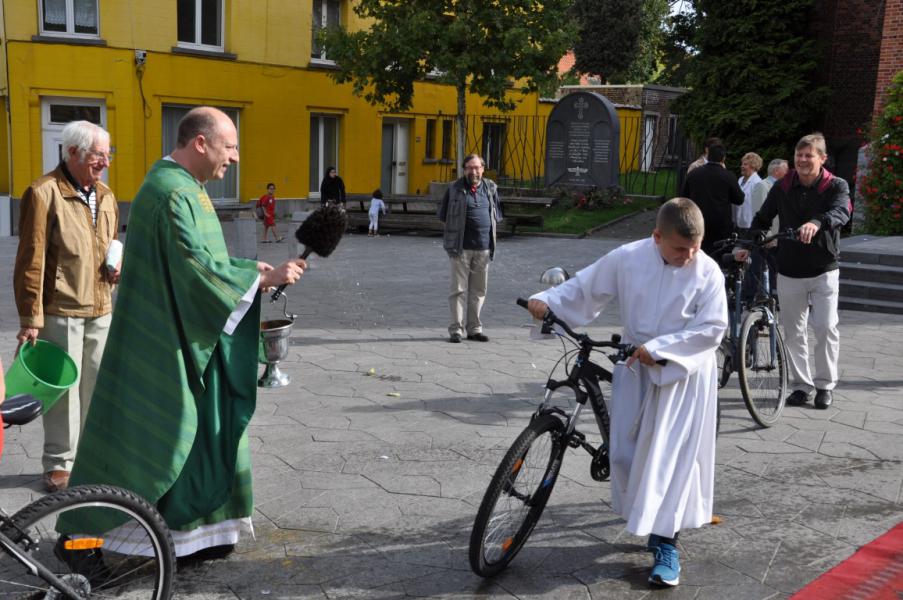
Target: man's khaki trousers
{"type": "Point", "coordinates": [84, 340]}
{"type": "Point", "coordinates": [469, 279]}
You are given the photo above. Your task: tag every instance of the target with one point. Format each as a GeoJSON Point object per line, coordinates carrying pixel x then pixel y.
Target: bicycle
{"type": "Point", "coordinates": [523, 481]}
{"type": "Point", "coordinates": [753, 344]}
{"type": "Point", "coordinates": [136, 559]}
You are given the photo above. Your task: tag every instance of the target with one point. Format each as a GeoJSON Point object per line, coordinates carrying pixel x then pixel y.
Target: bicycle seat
{"type": "Point", "coordinates": [20, 409]}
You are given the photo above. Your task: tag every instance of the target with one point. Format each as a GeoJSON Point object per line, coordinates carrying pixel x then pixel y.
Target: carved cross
{"type": "Point", "coordinates": [581, 104]}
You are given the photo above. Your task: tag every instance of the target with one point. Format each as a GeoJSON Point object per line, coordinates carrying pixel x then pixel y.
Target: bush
{"type": "Point", "coordinates": [882, 185]}
{"type": "Point", "coordinates": [592, 198]}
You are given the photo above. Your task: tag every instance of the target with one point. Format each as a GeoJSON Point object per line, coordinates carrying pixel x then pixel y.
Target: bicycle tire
{"type": "Point", "coordinates": [493, 545]}
{"type": "Point", "coordinates": [723, 361]}
{"type": "Point", "coordinates": [114, 569]}
{"type": "Point", "coordinates": [763, 378]}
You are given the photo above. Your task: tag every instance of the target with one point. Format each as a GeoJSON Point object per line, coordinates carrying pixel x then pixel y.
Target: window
{"type": "Point", "coordinates": [325, 14]}
{"type": "Point", "coordinates": [221, 190]}
{"type": "Point", "coordinates": [429, 148]}
{"type": "Point", "coordinates": [324, 149]}
{"type": "Point", "coordinates": [447, 139]}
{"type": "Point", "coordinates": [494, 146]}
{"type": "Point", "coordinates": [76, 18]}
{"type": "Point", "coordinates": [201, 24]}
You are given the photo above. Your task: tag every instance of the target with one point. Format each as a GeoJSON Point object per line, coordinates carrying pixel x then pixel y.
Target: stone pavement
{"type": "Point", "coordinates": [367, 486]}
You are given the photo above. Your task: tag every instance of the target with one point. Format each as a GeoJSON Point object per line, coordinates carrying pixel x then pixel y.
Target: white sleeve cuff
{"type": "Point", "coordinates": [241, 310]}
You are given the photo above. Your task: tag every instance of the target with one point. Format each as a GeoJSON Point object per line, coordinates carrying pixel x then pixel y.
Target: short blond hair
{"type": "Point", "coordinates": [816, 141]}
{"type": "Point", "coordinates": [753, 159]}
{"type": "Point", "coordinates": [680, 216]}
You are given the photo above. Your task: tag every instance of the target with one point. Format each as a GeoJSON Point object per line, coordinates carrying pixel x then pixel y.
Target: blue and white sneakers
{"type": "Point", "coordinates": [667, 566]}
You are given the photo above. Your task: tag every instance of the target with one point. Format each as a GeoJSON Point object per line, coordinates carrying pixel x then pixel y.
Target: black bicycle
{"type": "Point", "coordinates": [135, 559]}
{"type": "Point", "coordinates": [753, 345]}
{"type": "Point", "coordinates": [523, 482]}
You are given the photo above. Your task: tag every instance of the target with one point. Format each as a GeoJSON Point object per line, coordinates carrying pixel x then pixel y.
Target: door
{"type": "Point", "coordinates": [394, 156]}
{"type": "Point", "coordinates": [55, 114]}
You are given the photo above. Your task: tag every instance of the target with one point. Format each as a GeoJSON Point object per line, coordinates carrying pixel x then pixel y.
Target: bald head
{"type": "Point", "coordinates": [207, 143]}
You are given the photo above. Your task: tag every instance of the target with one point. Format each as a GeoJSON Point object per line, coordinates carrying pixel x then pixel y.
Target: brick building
{"type": "Point", "coordinates": [860, 47]}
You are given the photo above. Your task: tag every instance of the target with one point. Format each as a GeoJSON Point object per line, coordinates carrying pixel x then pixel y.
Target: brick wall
{"type": "Point", "coordinates": [849, 34]}
{"type": "Point", "coordinates": [891, 60]}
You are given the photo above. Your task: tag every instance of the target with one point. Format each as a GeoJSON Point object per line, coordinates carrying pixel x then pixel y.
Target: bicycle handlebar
{"type": "Point", "coordinates": [624, 350]}
{"type": "Point", "coordinates": [758, 241]}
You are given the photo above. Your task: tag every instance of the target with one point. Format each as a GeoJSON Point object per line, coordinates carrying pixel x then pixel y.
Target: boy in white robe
{"type": "Point", "coordinates": [663, 418]}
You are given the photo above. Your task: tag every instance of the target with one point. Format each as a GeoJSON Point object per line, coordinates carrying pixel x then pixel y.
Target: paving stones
{"type": "Point", "coordinates": [364, 495]}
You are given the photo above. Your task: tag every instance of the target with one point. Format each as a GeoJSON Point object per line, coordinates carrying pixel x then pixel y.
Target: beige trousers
{"type": "Point", "coordinates": [84, 340]}
{"type": "Point", "coordinates": [469, 279]}
{"type": "Point", "coordinates": [811, 301]}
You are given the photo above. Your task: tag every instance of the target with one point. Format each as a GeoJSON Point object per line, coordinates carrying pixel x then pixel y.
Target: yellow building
{"type": "Point", "coordinates": [136, 67]}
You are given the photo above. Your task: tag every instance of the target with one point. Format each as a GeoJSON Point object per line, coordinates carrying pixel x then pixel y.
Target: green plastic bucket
{"type": "Point", "coordinates": [44, 370]}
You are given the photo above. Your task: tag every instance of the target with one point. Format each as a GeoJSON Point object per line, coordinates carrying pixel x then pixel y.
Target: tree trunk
{"type": "Point", "coordinates": [460, 126]}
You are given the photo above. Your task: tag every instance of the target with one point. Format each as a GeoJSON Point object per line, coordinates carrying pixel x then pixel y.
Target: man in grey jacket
{"type": "Point", "coordinates": [470, 210]}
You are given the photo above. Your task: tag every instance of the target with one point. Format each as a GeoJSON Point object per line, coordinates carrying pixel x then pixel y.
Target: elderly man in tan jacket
{"type": "Point", "coordinates": [62, 284]}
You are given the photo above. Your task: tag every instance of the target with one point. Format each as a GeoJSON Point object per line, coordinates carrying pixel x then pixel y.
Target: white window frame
{"type": "Point", "coordinates": [70, 22]}
{"type": "Point", "coordinates": [197, 29]}
{"type": "Point", "coordinates": [322, 163]}
{"type": "Point", "coordinates": [323, 59]}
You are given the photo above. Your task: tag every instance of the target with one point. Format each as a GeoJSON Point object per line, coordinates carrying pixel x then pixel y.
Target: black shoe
{"type": "Point", "coordinates": [823, 398]}
{"type": "Point", "coordinates": [211, 553]}
{"type": "Point", "coordinates": [478, 337]}
{"type": "Point", "coordinates": [88, 563]}
{"type": "Point", "coordinates": [455, 338]}
{"type": "Point", "coordinates": [797, 398]}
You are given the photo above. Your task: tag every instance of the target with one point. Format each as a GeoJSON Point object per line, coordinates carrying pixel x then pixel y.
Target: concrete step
{"type": "Point", "coordinates": [874, 273]}
{"type": "Point", "coordinates": [868, 290]}
{"type": "Point", "coordinates": [871, 258]}
{"type": "Point", "coordinates": [876, 306]}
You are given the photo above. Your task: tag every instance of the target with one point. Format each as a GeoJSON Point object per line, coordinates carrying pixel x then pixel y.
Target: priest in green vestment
{"type": "Point", "coordinates": [177, 383]}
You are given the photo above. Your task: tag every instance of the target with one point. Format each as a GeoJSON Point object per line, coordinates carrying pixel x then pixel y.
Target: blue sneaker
{"type": "Point", "coordinates": [653, 542]}
{"type": "Point", "coordinates": [667, 566]}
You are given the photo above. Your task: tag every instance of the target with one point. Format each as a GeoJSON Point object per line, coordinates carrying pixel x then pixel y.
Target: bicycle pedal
{"type": "Point", "coordinates": [600, 467]}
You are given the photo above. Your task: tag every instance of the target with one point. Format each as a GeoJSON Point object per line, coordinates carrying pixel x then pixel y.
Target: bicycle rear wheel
{"type": "Point", "coordinates": [762, 368]}
{"type": "Point", "coordinates": [516, 496]}
{"type": "Point", "coordinates": [136, 560]}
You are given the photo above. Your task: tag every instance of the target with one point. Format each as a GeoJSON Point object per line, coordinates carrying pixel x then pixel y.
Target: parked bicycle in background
{"type": "Point", "coordinates": [753, 346]}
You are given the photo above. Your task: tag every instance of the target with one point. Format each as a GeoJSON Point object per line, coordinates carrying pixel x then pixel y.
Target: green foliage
{"type": "Point", "coordinates": [752, 75]}
{"type": "Point", "coordinates": [882, 186]}
{"type": "Point", "coordinates": [484, 47]}
{"type": "Point", "coordinates": [620, 40]}
{"type": "Point", "coordinates": [591, 199]}
{"type": "Point", "coordinates": [609, 38]}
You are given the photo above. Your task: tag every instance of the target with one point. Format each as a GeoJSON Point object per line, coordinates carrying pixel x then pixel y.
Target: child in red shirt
{"type": "Point", "coordinates": [268, 203]}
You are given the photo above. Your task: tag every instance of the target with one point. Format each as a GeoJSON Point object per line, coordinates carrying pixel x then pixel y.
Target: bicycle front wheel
{"type": "Point", "coordinates": [134, 560]}
{"type": "Point", "coordinates": [762, 368]}
{"type": "Point", "coordinates": [516, 496]}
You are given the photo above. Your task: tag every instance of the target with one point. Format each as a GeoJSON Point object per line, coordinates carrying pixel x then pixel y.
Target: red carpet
{"type": "Point", "coordinates": [875, 572]}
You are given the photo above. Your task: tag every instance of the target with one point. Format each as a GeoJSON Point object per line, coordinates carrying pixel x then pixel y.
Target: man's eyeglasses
{"type": "Point", "coordinates": [100, 155]}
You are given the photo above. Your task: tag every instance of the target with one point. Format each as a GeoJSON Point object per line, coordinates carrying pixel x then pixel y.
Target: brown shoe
{"type": "Point", "coordinates": [56, 481]}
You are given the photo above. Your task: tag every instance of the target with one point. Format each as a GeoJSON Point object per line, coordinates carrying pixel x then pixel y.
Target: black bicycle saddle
{"type": "Point", "coordinates": [20, 409]}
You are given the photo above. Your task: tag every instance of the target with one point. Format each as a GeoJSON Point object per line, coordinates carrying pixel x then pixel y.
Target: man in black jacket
{"type": "Point", "coordinates": [714, 189]}
{"type": "Point", "coordinates": [817, 203]}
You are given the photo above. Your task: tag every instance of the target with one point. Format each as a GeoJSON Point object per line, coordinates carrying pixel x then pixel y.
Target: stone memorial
{"type": "Point", "coordinates": [582, 137]}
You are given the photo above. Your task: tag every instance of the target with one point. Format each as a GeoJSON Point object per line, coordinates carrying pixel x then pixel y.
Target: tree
{"type": "Point", "coordinates": [752, 76]}
{"type": "Point", "coordinates": [483, 47]}
{"type": "Point", "coordinates": [882, 185]}
{"type": "Point", "coordinates": [609, 38]}
{"type": "Point", "coordinates": [620, 40]}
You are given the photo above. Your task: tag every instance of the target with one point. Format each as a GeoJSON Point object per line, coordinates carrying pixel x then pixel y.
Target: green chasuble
{"type": "Point", "coordinates": [175, 394]}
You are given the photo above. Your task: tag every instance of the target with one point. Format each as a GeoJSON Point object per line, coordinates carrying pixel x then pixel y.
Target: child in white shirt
{"type": "Point", "coordinates": [376, 205]}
